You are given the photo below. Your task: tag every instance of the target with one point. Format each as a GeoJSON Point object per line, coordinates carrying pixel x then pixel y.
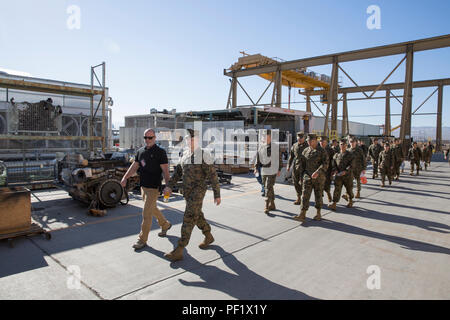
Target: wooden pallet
{"type": "Point", "coordinates": [33, 230]}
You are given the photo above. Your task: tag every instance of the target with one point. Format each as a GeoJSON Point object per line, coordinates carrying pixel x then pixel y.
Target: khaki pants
{"type": "Point", "coordinates": [150, 210]}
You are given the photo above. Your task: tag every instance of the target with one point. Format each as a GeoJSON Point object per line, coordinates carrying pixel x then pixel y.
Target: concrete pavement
{"type": "Point", "coordinates": [403, 230]}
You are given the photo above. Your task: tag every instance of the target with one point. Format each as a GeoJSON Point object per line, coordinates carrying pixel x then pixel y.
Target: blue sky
{"type": "Point", "coordinates": [171, 54]}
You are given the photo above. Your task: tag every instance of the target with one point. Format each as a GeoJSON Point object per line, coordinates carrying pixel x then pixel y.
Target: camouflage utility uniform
{"type": "Point", "coordinates": [387, 161]}
{"type": "Point", "coordinates": [295, 158]}
{"type": "Point", "coordinates": [399, 157]}
{"type": "Point", "coordinates": [343, 162]}
{"type": "Point", "coordinates": [327, 186]}
{"type": "Point", "coordinates": [414, 156]}
{"type": "Point", "coordinates": [313, 160]}
{"type": "Point", "coordinates": [269, 173]}
{"type": "Point", "coordinates": [427, 153]}
{"type": "Point", "coordinates": [359, 165]}
{"type": "Point", "coordinates": [374, 152]}
{"type": "Point", "coordinates": [195, 178]}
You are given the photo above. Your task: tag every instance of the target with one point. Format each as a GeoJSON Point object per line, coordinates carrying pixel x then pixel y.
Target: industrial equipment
{"type": "Point", "coordinates": [95, 180]}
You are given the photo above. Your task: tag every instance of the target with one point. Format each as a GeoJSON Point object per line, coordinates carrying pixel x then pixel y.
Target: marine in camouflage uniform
{"type": "Point", "coordinates": [427, 153]}
{"type": "Point", "coordinates": [359, 164]}
{"type": "Point", "coordinates": [315, 164]}
{"type": "Point", "coordinates": [374, 152]}
{"type": "Point", "coordinates": [269, 170]}
{"type": "Point", "coordinates": [335, 146]}
{"type": "Point", "coordinates": [295, 160]}
{"type": "Point", "coordinates": [387, 161]}
{"type": "Point", "coordinates": [195, 177]}
{"type": "Point", "coordinates": [414, 156]}
{"type": "Point", "coordinates": [343, 176]}
{"type": "Point", "coordinates": [397, 149]}
{"type": "Point", "coordinates": [330, 153]}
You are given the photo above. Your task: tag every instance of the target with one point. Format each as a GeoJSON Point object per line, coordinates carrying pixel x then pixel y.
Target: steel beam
{"type": "Point", "coordinates": [368, 53]}
{"type": "Point", "coordinates": [389, 86]}
{"type": "Point", "coordinates": [439, 119]}
{"type": "Point", "coordinates": [334, 95]}
{"type": "Point", "coordinates": [278, 85]}
{"type": "Point", "coordinates": [50, 138]}
{"type": "Point", "coordinates": [234, 93]}
{"type": "Point", "coordinates": [345, 128]}
{"type": "Point", "coordinates": [405, 130]}
{"type": "Point", "coordinates": [47, 88]}
{"type": "Point", "coordinates": [387, 115]}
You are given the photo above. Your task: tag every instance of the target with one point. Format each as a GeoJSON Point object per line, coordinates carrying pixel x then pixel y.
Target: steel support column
{"type": "Point", "coordinates": [405, 130]}
{"type": "Point", "coordinates": [439, 119]}
{"type": "Point", "coordinates": [233, 93]}
{"type": "Point", "coordinates": [345, 128]}
{"type": "Point", "coordinates": [333, 95]}
{"type": "Point", "coordinates": [278, 84]}
{"type": "Point", "coordinates": [104, 124]}
{"type": "Point", "coordinates": [387, 115]}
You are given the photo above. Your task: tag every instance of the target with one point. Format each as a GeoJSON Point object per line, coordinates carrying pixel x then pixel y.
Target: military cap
{"type": "Point", "coordinates": [311, 136]}
{"type": "Point", "coordinates": [344, 141]}
{"type": "Point", "coordinates": [300, 134]}
{"type": "Point", "coordinates": [324, 138]}
{"type": "Point", "coordinates": [351, 139]}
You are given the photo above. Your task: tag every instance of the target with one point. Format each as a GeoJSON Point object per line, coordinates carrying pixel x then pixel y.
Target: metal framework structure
{"type": "Point", "coordinates": [405, 48]}
{"type": "Point", "coordinates": [34, 86]}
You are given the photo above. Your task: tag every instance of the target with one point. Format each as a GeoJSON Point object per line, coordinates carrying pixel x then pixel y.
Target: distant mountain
{"type": "Point", "coordinates": [425, 133]}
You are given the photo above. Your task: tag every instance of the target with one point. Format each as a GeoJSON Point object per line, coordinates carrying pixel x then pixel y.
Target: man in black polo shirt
{"type": "Point", "coordinates": [151, 161]}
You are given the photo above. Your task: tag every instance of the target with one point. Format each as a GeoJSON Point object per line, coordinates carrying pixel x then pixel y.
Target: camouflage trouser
{"type": "Point", "coordinates": [193, 216]}
{"type": "Point", "coordinates": [375, 166]}
{"type": "Point", "coordinates": [386, 171]}
{"type": "Point", "coordinates": [356, 176]}
{"type": "Point", "coordinates": [297, 182]}
{"type": "Point", "coordinates": [397, 166]}
{"type": "Point", "coordinates": [308, 186]}
{"type": "Point", "coordinates": [327, 183]}
{"type": "Point", "coordinates": [417, 163]}
{"type": "Point", "coordinates": [427, 161]}
{"type": "Point", "coordinates": [346, 181]}
{"type": "Point", "coordinates": [269, 182]}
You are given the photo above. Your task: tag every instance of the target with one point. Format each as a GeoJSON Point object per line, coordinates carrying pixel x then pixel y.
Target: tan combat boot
{"type": "Point", "coordinates": [298, 201]}
{"type": "Point", "coordinates": [332, 206]}
{"type": "Point", "coordinates": [272, 205]}
{"type": "Point", "coordinates": [301, 217]}
{"type": "Point", "coordinates": [357, 195]}
{"type": "Point", "coordinates": [266, 209]}
{"type": "Point", "coordinates": [175, 255]}
{"type": "Point", "coordinates": [207, 241]}
{"type": "Point", "coordinates": [345, 197]}
{"type": "Point", "coordinates": [318, 217]}
{"type": "Point", "coordinates": [350, 204]}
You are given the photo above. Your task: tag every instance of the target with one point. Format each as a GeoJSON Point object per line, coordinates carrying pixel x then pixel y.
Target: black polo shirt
{"type": "Point", "coordinates": [149, 166]}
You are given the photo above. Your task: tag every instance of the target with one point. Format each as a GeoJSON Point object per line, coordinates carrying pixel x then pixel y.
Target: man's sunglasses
{"type": "Point", "coordinates": [149, 138]}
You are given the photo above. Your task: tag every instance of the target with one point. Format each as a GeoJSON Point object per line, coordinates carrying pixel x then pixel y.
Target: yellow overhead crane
{"type": "Point", "coordinates": [298, 78]}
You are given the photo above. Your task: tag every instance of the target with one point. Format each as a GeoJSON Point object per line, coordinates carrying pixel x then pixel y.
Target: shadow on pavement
{"type": "Point", "coordinates": [242, 284]}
